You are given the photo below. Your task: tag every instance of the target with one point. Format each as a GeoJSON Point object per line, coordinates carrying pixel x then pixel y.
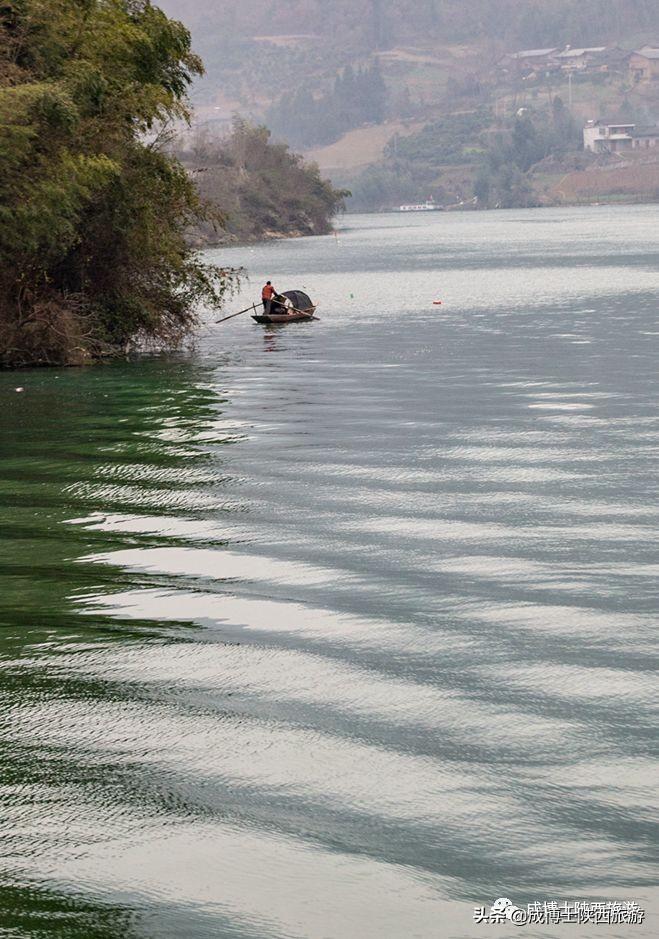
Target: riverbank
{"type": "Point", "coordinates": [257, 190]}
{"type": "Point", "coordinates": [203, 239]}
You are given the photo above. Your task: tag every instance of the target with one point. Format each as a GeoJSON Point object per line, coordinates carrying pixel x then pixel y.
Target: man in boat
{"type": "Point", "coordinates": [267, 294]}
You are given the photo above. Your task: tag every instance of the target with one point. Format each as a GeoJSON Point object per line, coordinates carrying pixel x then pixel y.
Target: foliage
{"type": "Point", "coordinates": [511, 154]}
{"type": "Point", "coordinates": [411, 165]}
{"type": "Point", "coordinates": [453, 140]}
{"type": "Point", "coordinates": [92, 216]}
{"type": "Point", "coordinates": [496, 160]}
{"type": "Point", "coordinates": [357, 97]}
{"type": "Point", "coordinates": [262, 187]}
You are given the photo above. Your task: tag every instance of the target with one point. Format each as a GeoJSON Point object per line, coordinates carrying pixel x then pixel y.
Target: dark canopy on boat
{"type": "Point", "coordinates": [299, 299]}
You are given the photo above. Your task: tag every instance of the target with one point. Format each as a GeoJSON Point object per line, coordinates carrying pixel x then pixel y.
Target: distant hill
{"type": "Point", "coordinates": [258, 53]}
{"type": "Point", "coordinates": [260, 189]}
{"type": "Point", "coordinates": [402, 99]}
{"type": "Point", "coordinates": [367, 25]}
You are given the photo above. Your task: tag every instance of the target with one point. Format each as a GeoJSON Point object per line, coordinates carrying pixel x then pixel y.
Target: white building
{"type": "Point", "coordinates": [615, 136]}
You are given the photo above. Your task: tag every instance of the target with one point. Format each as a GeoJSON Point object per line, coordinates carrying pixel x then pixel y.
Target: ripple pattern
{"type": "Point", "coordinates": [343, 629]}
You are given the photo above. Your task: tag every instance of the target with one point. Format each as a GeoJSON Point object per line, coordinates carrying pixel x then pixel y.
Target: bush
{"type": "Point", "coordinates": [261, 186]}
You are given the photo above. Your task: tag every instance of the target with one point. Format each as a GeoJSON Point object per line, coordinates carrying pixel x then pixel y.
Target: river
{"type": "Point", "coordinates": [342, 629]}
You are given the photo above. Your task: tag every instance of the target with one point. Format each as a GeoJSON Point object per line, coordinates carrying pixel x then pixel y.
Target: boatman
{"type": "Point", "coordinates": [267, 294]}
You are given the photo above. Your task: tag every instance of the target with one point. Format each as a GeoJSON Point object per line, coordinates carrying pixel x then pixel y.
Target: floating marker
{"type": "Point", "coordinates": [437, 302]}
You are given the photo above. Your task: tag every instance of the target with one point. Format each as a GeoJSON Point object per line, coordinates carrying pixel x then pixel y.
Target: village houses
{"type": "Point", "coordinates": [643, 64]}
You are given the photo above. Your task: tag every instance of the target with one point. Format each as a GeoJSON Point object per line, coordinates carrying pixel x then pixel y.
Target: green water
{"type": "Point", "coordinates": [342, 629]}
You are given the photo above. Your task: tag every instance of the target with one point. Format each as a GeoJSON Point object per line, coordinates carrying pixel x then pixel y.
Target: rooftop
{"type": "Point", "coordinates": [614, 122]}
{"type": "Point", "coordinates": [649, 52]}
{"type": "Point", "coordinates": [617, 53]}
{"type": "Point", "coordinates": [532, 53]}
{"type": "Point", "coordinates": [575, 53]}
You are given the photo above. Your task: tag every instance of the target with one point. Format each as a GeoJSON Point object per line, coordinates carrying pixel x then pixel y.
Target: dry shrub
{"type": "Point", "coordinates": [55, 331]}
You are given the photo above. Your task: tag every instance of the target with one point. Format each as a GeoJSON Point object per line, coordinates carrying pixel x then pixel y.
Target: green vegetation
{"type": "Point", "coordinates": [503, 180]}
{"type": "Point", "coordinates": [467, 155]}
{"type": "Point", "coordinates": [454, 140]}
{"type": "Point", "coordinates": [262, 189]}
{"type": "Point", "coordinates": [413, 166]}
{"type": "Point", "coordinates": [357, 97]}
{"type": "Point", "coordinates": [93, 213]}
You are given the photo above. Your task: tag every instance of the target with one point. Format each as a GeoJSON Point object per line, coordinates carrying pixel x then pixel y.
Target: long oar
{"type": "Point", "coordinates": [310, 312]}
{"type": "Point", "coordinates": [240, 313]}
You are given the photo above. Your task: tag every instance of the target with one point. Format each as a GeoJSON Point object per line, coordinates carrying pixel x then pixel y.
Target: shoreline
{"type": "Point", "coordinates": [233, 241]}
{"type": "Point", "coordinates": [499, 208]}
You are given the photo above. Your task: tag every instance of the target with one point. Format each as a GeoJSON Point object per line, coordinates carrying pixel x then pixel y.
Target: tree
{"type": "Point", "coordinates": [482, 187]}
{"type": "Point", "coordinates": [93, 213]}
{"type": "Point", "coordinates": [525, 145]}
{"type": "Point", "coordinates": [355, 98]}
{"type": "Point", "coordinates": [262, 186]}
{"type": "Point", "coordinates": [377, 93]}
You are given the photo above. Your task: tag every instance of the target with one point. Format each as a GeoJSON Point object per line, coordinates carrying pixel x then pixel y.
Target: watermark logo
{"type": "Point", "coordinates": [607, 912]}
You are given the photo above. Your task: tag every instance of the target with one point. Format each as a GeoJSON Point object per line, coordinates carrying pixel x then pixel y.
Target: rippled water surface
{"type": "Point", "coordinates": [338, 630]}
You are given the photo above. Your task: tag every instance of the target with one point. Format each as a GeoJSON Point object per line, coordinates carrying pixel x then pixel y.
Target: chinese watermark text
{"type": "Point", "coordinates": [607, 912]}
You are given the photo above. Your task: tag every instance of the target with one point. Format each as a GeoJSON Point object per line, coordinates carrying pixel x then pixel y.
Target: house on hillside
{"type": "Point", "coordinates": [613, 59]}
{"type": "Point", "coordinates": [579, 59]}
{"type": "Point", "coordinates": [644, 64]}
{"type": "Point", "coordinates": [529, 60]}
{"type": "Point", "coordinates": [608, 136]}
{"type": "Point", "coordinates": [616, 136]}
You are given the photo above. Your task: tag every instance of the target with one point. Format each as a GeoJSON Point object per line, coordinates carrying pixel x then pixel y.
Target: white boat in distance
{"type": "Point", "coordinates": [421, 207]}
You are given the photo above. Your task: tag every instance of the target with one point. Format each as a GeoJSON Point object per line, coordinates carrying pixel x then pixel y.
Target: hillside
{"type": "Point", "coordinates": [257, 50]}
{"type": "Point", "coordinates": [367, 25]}
{"type": "Point", "coordinates": [360, 147]}
{"type": "Point", "coordinates": [634, 180]}
{"type": "Point", "coordinates": [256, 189]}
{"type": "Point", "coordinates": [345, 82]}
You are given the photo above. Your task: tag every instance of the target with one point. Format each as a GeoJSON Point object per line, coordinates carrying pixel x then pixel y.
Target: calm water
{"type": "Point", "coordinates": [339, 630]}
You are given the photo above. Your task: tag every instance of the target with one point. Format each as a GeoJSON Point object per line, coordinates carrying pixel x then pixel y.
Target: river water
{"type": "Point", "coordinates": [339, 630]}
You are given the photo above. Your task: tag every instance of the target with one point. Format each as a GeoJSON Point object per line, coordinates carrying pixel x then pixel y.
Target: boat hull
{"type": "Point", "coordinates": [281, 319]}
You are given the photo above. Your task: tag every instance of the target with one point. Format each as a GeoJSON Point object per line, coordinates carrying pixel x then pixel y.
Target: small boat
{"type": "Point", "coordinates": [300, 308]}
{"type": "Point", "coordinates": [428, 206]}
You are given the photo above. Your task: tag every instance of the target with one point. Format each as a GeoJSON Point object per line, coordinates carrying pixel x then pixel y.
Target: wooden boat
{"type": "Point", "coordinates": [302, 309]}
{"type": "Point", "coordinates": [293, 317]}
